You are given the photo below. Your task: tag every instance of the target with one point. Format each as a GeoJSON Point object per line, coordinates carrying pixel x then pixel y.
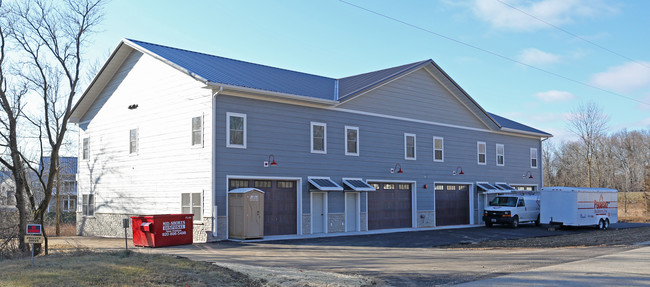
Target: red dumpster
{"type": "Point", "coordinates": [162, 229]}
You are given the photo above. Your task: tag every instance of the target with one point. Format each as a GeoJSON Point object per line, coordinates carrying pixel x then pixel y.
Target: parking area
{"type": "Point", "coordinates": [405, 259]}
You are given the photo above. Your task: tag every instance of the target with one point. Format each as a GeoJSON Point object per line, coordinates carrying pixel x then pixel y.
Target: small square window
{"type": "Point", "coordinates": [318, 137]}
{"type": "Point", "coordinates": [389, 186]}
{"type": "Point", "coordinates": [409, 146]}
{"type": "Point", "coordinates": [263, 184]}
{"type": "Point", "coordinates": [238, 183]}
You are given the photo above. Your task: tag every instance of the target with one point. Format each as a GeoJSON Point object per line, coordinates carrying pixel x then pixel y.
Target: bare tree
{"type": "Point", "coordinates": [588, 122]}
{"type": "Point", "coordinates": [49, 38]}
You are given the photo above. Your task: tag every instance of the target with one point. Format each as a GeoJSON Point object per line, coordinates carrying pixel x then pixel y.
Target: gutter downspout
{"type": "Point", "coordinates": [215, 218]}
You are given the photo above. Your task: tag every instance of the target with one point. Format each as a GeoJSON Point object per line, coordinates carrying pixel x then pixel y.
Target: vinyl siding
{"type": "Point", "coordinates": [419, 96]}
{"type": "Point", "coordinates": [284, 131]}
{"type": "Point", "coordinates": [166, 164]}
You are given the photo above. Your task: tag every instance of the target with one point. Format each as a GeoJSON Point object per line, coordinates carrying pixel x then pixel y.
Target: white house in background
{"type": "Point", "coordinates": [165, 130]}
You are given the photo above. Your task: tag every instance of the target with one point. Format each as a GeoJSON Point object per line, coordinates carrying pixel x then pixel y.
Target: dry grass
{"type": "Point", "coordinates": [636, 208]}
{"type": "Point", "coordinates": [117, 269]}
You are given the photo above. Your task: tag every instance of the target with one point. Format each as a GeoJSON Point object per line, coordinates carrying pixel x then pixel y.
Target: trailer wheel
{"type": "Point", "coordinates": [606, 223]}
{"type": "Point", "coordinates": [601, 224]}
{"type": "Point", "coordinates": [538, 222]}
{"type": "Point", "coordinates": [515, 221]}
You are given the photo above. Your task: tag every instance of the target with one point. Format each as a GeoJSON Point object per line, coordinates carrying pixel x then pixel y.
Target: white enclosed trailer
{"type": "Point", "coordinates": [579, 206]}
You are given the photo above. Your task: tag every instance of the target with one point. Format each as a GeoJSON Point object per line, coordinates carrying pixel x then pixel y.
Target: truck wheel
{"type": "Point", "coordinates": [601, 224]}
{"type": "Point", "coordinates": [515, 222]}
{"type": "Point", "coordinates": [488, 224]}
{"type": "Point", "coordinates": [538, 222]}
{"type": "Point", "coordinates": [606, 223]}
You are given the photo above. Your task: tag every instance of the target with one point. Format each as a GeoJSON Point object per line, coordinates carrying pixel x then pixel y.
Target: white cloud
{"type": "Point", "coordinates": [555, 96]}
{"type": "Point", "coordinates": [556, 12]}
{"type": "Point", "coordinates": [628, 77]}
{"type": "Point", "coordinates": [534, 56]}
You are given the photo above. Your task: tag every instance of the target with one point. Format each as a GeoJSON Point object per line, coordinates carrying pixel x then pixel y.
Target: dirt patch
{"type": "Point", "coordinates": [611, 237]}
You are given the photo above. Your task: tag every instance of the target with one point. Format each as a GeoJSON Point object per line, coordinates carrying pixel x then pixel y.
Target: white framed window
{"type": "Point", "coordinates": [85, 148]}
{"type": "Point", "coordinates": [235, 130]}
{"type": "Point", "coordinates": [191, 203]}
{"type": "Point", "coordinates": [501, 155]}
{"type": "Point", "coordinates": [533, 158]}
{"type": "Point", "coordinates": [480, 153]}
{"type": "Point", "coordinates": [438, 149]}
{"type": "Point", "coordinates": [88, 205]}
{"type": "Point", "coordinates": [197, 131]}
{"type": "Point", "coordinates": [133, 141]}
{"type": "Point", "coordinates": [351, 140]}
{"type": "Point", "coordinates": [409, 146]}
{"type": "Point", "coordinates": [318, 137]}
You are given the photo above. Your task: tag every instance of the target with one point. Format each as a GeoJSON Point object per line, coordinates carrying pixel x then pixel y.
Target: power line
{"type": "Point", "coordinates": [574, 35]}
{"type": "Point", "coordinates": [493, 53]}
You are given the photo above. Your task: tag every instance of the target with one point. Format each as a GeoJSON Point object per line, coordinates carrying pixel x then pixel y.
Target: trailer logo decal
{"type": "Point", "coordinates": [600, 206]}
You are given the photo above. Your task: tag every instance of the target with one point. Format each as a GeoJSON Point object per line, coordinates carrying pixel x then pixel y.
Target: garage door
{"type": "Point", "coordinates": [452, 204]}
{"type": "Point", "coordinates": [280, 204]}
{"type": "Point", "coordinates": [389, 206]}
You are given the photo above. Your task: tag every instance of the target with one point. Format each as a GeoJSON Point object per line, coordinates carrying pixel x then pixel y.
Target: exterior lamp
{"type": "Point", "coordinates": [458, 171]}
{"type": "Point", "coordinates": [527, 174]}
{"type": "Point", "coordinates": [271, 161]}
{"type": "Point", "coordinates": [397, 167]}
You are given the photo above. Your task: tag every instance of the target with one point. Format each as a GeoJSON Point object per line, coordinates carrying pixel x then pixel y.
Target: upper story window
{"type": "Point", "coordinates": [351, 140]}
{"type": "Point", "coordinates": [318, 137]}
{"type": "Point", "coordinates": [197, 131]}
{"type": "Point", "coordinates": [500, 155]}
{"type": "Point", "coordinates": [86, 148]}
{"type": "Point", "coordinates": [438, 149]}
{"type": "Point", "coordinates": [533, 158]}
{"type": "Point", "coordinates": [133, 141]}
{"type": "Point", "coordinates": [409, 146]}
{"type": "Point", "coordinates": [480, 151]}
{"type": "Point", "coordinates": [236, 130]}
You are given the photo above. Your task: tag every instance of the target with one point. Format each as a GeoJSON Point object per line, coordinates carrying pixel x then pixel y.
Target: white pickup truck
{"type": "Point", "coordinates": [512, 209]}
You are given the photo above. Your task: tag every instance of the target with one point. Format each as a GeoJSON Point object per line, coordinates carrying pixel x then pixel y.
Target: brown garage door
{"type": "Point", "coordinates": [280, 204]}
{"type": "Point", "coordinates": [389, 206]}
{"type": "Point", "coordinates": [452, 204]}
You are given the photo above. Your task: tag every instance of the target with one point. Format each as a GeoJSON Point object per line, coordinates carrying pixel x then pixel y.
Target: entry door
{"type": "Point", "coordinates": [351, 211]}
{"type": "Point", "coordinates": [318, 212]}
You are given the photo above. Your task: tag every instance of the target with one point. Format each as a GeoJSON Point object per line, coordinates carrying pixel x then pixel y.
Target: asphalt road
{"type": "Point", "coordinates": [412, 259]}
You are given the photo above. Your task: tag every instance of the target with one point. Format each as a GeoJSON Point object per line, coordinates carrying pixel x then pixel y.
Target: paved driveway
{"type": "Point", "coordinates": [410, 259]}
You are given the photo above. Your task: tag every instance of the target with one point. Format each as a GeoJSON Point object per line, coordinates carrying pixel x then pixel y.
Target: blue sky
{"type": "Point", "coordinates": [335, 39]}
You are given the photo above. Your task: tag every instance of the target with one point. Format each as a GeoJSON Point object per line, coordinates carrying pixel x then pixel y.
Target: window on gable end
{"type": "Point", "coordinates": [133, 141]}
{"type": "Point", "coordinates": [533, 158]}
{"type": "Point", "coordinates": [85, 148]}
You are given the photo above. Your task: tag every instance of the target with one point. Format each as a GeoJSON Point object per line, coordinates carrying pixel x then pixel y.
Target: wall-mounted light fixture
{"type": "Point", "coordinates": [271, 161]}
{"type": "Point", "coordinates": [527, 174]}
{"type": "Point", "coordinates": [458, 171]}
{"type": "Point", "coordinates": [398, 168]}
{"type": "Point", "coordinates": [133, 107]}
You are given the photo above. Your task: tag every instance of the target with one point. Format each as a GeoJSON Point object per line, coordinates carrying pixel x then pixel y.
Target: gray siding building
{"type": "Point", "coordinates": [165, 130]}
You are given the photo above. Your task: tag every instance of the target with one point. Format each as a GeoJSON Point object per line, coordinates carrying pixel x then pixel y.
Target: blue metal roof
{"type": "Point", "coordinates": [68, 165]}
{"type": "Point", "coordinates": [226, 71]}
{"type": "Point", "coordinates": [506, 123]}
{"type": "Point", "coordinates": [244, 74]}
